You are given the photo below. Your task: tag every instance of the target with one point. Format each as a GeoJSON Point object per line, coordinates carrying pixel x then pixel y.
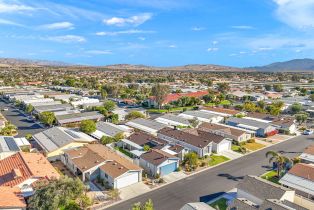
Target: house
{"type": "Point", "coordinates": [285, 125]}
{"type": "Point", "coordinates": [236, 134]}
{"type": "Point", "coordinates": [201, 116]}
{"type": "Point", "coordinates": [148, 126]}
{"type": "Point", "coordinates": [260, 128]}
{"type": "Point", "coordinates": [157, 162]}
{"type": "Point", "coordinates": [175, 96]}
{"type": "Point", "coordinates": [8, 146]}
{"type": "Point", "coordinates": [54, 141]}
{"type": "Point", "coordinates": [189, 141]}
{"type": "Point", "coordinates": [197, 206]}
{"type": "Point", "coordinates": [11, 199]}
{"type": "Point", "coordinates": [219, 143]}
{"type": "Point", "coordinates": [23, 169]}
{"type": "Point", "coordinates": [255, 193]}
{"type": "Point", "coordinates": [83, 100]}
{"type": "Point", "coordinates": [77, 118]}
{"type": "Point", "coordinates": [173, 120]}
{"type": "Point", "coordinates": [220, 111]}
{"type": "Point", "coordinates": [110, 129]}
{"type": "Point", "coordinates": [52, 108]}
{"type": "Point", "coordinates": [123, 112]}
{"type": "Point", "coordinates": [308, 155]}
{"type": "Point", "coordinates": [300, 178]}
{"type": "Point", "coordinates": [96, 161]}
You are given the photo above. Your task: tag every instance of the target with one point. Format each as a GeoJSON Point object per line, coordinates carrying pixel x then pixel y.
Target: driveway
{"type": "Point", "coordinates": [20, 120]}
{"type": "Point", "coordinates": [133, 190]}
{"type": "Point", "coordinates": [214, 182]}
{"type": "Point", "coordinates": [230, 154]}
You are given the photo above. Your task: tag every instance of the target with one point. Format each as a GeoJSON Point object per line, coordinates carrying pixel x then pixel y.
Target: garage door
{"type": "Point", "coordinates": [132, 178]}
{"type": "Point", "coordinates": [225, 145]}
{"type": "Point", "coordinates": [167, 169]}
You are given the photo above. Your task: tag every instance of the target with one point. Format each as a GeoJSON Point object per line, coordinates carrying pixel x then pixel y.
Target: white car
{"type": "Point", "coordinates": [307, 132]}
{"type": "Point", "coordinates": [5, 109]}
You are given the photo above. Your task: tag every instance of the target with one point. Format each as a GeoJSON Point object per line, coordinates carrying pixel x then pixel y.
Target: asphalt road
{"type": "Point", "coordinates": [20, 120]}
{"type": "Point", "coordinates": [214, 182]}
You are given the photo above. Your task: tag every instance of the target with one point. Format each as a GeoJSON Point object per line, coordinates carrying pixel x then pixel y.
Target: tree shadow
{"type": "Point", "coordinates": [231, 177]}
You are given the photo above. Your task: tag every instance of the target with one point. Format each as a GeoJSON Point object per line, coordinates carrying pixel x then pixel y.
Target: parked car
{"type": "Point", "coordinates": [308, 132]}
{"type": "Point", "coordinates": [5, 109]}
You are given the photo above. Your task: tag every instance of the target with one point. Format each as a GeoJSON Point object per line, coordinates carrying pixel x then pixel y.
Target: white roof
{"type": "Point", "coordinates": [248, 127]}
{"type": "Point", "coordinates": [22, 142]}
{"type": "Point", "coordinates": [307, 157]}
{"type": "Point", "coordinates": [131, 143]}
{"type": "Point", "coordinates": [298, 183]}
{"type": "Point", "coordinates": [137, 153]}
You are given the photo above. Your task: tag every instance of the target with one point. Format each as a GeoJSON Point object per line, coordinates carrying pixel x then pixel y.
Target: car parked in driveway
{"type": "Point", "coordinates": [308, 132]}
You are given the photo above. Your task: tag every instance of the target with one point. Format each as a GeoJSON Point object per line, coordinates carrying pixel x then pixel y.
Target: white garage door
{"type": "Point", "coordinates": [224, 145]}
{"type": "Point", "coordinates": [131, 178]}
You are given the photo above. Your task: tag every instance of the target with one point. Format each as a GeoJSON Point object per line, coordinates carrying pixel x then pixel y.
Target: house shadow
{"type": "Point", "coordinates": [207, 198]}
{"type": "Point", "coordinates": [231, 177]}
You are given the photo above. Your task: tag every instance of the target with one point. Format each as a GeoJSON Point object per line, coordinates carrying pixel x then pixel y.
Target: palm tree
{"type": "Point", "coordinates": [279, 159]}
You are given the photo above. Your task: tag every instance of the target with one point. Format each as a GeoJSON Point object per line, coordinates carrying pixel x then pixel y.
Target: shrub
{"type": "Point", "coordinates": [251, 141]}
{"type": "Point", "coordinates": [161, 180]}
{"type": "Point", "coordinates": [179, 168]}
{"type": "Point", "coordinates": [203, 164]}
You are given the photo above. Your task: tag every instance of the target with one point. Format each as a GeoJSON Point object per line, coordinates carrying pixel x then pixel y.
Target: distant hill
{"type": "Point", "coordinates": [28, 62]}
{"type": "Point", "coordinates": [194, 67]}
{"type": "Point", "coordinates": [292, 65]}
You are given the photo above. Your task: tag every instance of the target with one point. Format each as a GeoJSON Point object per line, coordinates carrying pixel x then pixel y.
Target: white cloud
{"type": "Point", "coordinates": [114, 33]}
{"type": "Point", "coordinates": [296, 13]}
{"type": "Point", "coordinates": [265, 48]}
{"type": "Point", "coordinates": [11, 8]}
{"type": "Point", "coordinates": [243, 27]}
{"type": "Point", "coordinates": [67, 39]}
{"type": "Point", "coordinates": [215, 42]}
{"type": "Point", "coordinates": [298, 50]}
{"type": "Point", "coordinates": [198, 28]}
{"type": "Point", "coordinates": [172, 46]}
{"type": "Point", "coordinates": [58, 25]}
{"type": "Point", "coordinates": [99, 52]}
{"type": "Point", "coordinates": [212, 49]}
{"type": "Point", "coordinates": [135, 20]}
{"type": "Point", "coordinates": [142, 38]}
{"type": "Point", "coordinates": [9, 22]}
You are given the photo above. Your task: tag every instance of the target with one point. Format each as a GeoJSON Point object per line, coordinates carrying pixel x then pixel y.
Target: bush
{"type": "Point", "coordinates": [157, 176]}
{"type": "Point", "coordinates": [251, 141]}
{"type": "Point", "coordinates": [242, 143]}
{"type": "Point", "coordinates": [179, 169]}
{"type": "Point", "coordinates": [203, 164]}
{"type": "Point", "coordinates": [161, 180]}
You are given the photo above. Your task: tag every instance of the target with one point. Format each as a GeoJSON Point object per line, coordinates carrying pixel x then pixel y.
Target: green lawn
{"type": "Point", "coordinates": [216, 159]}
{"type": "Point", "coordinates": [225, 102]}
{"type": "Point", "coordinates": [220, 203]}
{"type": "Point", "coordinates": [235, 148]}
{"type": "Point", "coordinates": [174, 109]}
{"type": "Point", "coordinates": [253, 146]}
{"type": "Point", "coordinates": [127, 153]}
{"type": "Point", "coordinates": [271, 176]}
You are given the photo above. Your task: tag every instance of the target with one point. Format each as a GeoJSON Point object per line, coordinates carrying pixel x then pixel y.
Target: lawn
{"type": "Point", "coordinates": [216, 159]}
{"type": "Point", "coordinates": [174, 109]}
{"type": "Point", "coordinates": [235, 148]}
{"type": "Point", "coordinates": [127, 153]}
{"type": "Point", "coordinates": [220, 203]}
{"type": "Point", "coordinates": [271, 176]}
{"type": "Point", "coordinates": [253, 146]}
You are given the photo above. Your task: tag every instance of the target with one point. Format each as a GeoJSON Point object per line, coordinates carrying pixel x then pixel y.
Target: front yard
{"type": "Point", "coordinates": [253, 146]}
{"type": "Point", "coordinates": [271, 176]}
{"type": "Point", "coordinates": [220, 204]}
{"type": "Point", "coordinates": [216, 159]}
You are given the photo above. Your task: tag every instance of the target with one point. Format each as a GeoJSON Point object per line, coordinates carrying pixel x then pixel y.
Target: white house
{"type": "Point", "coordinates": [173, 120]}
{"type": "Point", "coordinates": [202, 116]}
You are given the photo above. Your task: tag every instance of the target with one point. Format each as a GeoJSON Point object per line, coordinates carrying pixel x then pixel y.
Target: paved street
{"type": "Point", "coordinates": [17, 118]}
{"type": "Point", "coordinates": [214, 182]}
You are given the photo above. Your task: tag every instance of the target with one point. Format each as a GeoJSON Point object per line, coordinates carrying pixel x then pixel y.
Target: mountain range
{"type": "Point", "coordinates": [291, 65]}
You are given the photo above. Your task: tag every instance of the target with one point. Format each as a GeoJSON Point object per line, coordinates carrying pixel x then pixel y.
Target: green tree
{"type": "Point", "coordinates": [209, 98]}
{"type": "Point", "coordinates": [261, 104]}
{"type": "Point", "coordinates": [148, 205]}
{"type": "Point", "coordinates": [223, 87]}
{"type": "Point", "coordinates": [267, 87]}
{"type": "Point", "coordinates": [109, 105]}
{"type": "Point", "coordinates": [301, 118]}
{"type": "Point", "coordinates": [160, 92]}
{"type": "Point", "coordinates": [88, 126]}
{"type": "Point", "coordinates": [28, 136]}
{"type": "Point", "coordinates": [107, 140]}
{"type": "Point", "coordinates": [146, 147]}
{"type": "Point", "coordinates": [311, 97]}
{"type": "Point", "coordinates": [296, 107]}
{"type": "Point", "coordinates": [190, 161]}
{"type": "Point", "coordinates": [48, 118]}
{"type": "Point", "coordinates": [56, 194]}
{"type": "Point", "coordinates": [134, 115]}
{"type": "Point", "coordinates": [249, 106]}
{"type": "Point", "coordinates": [103, 94]}
{"type": "Point", "coordinates": [29, 108]}
{"type": "Point", "coordinates": [279, 159]}
{"type": "Point", "coordinates": [8, 130]}
{"type": "Point", "coordinates": [278, 87]}
{"type": "Point", "coordinates": [114, 194]}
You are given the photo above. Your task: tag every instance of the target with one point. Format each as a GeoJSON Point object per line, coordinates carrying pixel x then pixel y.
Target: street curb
{"type": "Point", "coordinates": [195, 173]}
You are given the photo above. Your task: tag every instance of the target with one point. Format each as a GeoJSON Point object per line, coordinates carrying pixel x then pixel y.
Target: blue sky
{"type": "Point", "coordinates": [158, 32]}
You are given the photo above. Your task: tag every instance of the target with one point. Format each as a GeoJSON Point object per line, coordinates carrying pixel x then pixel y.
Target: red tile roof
{"type": "Point", "coordinates": [305, 171]}
{"type": "Point", "coordinates": [11, 197]}
{"type": "Point", "coordinates": [175, 96]}
{"type": "Point", "coordinates": [19, 167]}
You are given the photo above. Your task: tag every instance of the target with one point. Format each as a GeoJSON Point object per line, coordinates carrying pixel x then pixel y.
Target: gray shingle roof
{"type": "Point", "coordinates": [148, 123]}
{"type": "Point", "coordinates": [108, 129]}
{"type": "Point", "coordinates": [249, 122]}
{"type": "Point", "coordinates": [77, 117]}
{"type": "Point", "coordinates": [200, 114]}
{"type": "Point", "coordinates": [261, 188]}
{"type": "Point", "coordinates": [175, 118]}
{"type": "Point", "coordinates": [53, 108]}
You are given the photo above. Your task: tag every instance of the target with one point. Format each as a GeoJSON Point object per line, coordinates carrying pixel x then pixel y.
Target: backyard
{"type": "Point", "coordinates": [220, 204]}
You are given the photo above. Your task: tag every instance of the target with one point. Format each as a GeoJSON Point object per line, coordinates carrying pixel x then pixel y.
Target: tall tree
{"type": "Point", "coordinates": [279, 159]}
{"type": "Point", "coordinates": [47, 118]}
{"type": "Point", "coordinates": [160, 92]}
{"type": "Point", "coordinates": [88, 126]}
{"type": "Point", "coordinates": [223, 87]}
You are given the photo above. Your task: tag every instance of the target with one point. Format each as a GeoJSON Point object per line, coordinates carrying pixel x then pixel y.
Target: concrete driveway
{"type": "Point", "coordinates": [230, 154]}
{"type": "Point", "coordinates": [133, 190]}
